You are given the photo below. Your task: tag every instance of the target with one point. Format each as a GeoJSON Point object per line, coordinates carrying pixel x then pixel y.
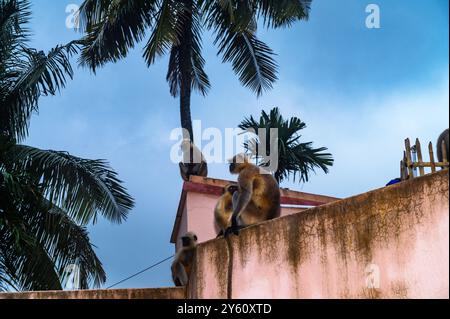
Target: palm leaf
{"type": "Point", "coordinates": [234, 24]}
{"type": "Point", "coordinates": [68, 244]}
{"type": "Point", "coordinates": [31, 75]}
{"type": "Point", "coordinates": [40, 239]}
{"type": "Point", "coordinates": [40, 264]}
{"type": "Point", "coordinates": [282, 13]}
{"type": "Point", "coordinates": [25, 73]}
{"type": "Point", "coordinates": [13, 15]}
{"type": "Point", "coordinates": [252, 60]}
{"type": "Point", "coordinates": [28, 266]}
{"type": "Point", "coordinates": [295, 159]}
{"type": "Point", "coordinates": [166, 32]}
{"type": "Point", "coordinates": [112, 27]}
{"type": "Point", "coordinates": [82, 187]}
{"type": "Point", "coordinates": [186, 56]}
{"type": "Point", "coordinates": [23, 260]}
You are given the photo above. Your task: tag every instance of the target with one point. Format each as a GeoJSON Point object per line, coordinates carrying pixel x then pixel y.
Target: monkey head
{"type": "Point", "coordinates": [189, 239]}
{"type": "Point", "coordinates": [231, 189]}
{"type": "Point", "coordinates": [191, 153]}
{"type": "Point", "coordinates": [185, 144]}
{"type": "Point", "coordinates": [238, 163]}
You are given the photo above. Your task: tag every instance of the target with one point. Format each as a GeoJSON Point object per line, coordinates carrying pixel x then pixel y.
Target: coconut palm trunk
{"type": "Point", "coordinates": [186, 72]}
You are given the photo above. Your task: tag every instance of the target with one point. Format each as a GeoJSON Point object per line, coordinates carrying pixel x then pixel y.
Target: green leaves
{"type": "Point", "coordinates": [294, 158]}
{"type": "Point", "coordinates": [68, 244]}
{"type": "Point", "coordinates": [186, 63]}
{"type": "Point", "coordinates": [84, 188]}
{"type": "Point", "coordinates": [166, 30]}
{"type": "Point", "coordinates": [38, 241]}
{"type": "Point", "coordinates": [283, 13]}
{"type": "Point", "coordinates": [175, 27]}
{"type": "Point", "coordinates": [46, 197]}
{"type": "Point", "coordinates": [25, 73]}
{"type": "Point", "coordinates": [113, 27]}
{"type": "Point", "coordinates": [251, 58]}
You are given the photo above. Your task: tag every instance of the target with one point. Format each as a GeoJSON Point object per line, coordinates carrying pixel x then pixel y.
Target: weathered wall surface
{"type": "Point", "coordinates": [162, 293]}
{"type": "Point", "coordinates": [198, 216]}
{"type": "Point", "coordinates": [388, 243]}
{"type": "Point", "coordinates": [200, 195]}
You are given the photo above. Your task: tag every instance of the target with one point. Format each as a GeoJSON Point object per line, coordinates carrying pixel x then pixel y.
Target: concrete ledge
{"type": "Point", "coordinates": [158, 293]}
{"type": "Point", "coordinates": [388, 243]}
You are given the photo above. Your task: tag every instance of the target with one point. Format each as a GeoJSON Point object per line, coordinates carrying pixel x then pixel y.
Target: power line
{"type": "Point", "coordinates": [140, 272]}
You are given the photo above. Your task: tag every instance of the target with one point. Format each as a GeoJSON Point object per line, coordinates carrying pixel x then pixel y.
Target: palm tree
{"type": "Point", "coordinates": [176, 26]}
{"type": "Point", "coordinates": [46, 197]}
{"type": "Point", "coordinates": [294, 158]}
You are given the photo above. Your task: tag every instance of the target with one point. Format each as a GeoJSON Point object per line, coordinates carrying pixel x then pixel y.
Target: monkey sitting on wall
{"type": "Point", "coordinates": [193, 161]}
{"type": "Point", "coordinates": [443, 137]}
{"type": "Point", "coordinates": [257, 198]}
{"type": "Point", "coordinates": [224, 209]}
{"type": "Point", "coordinates": [182, 264]}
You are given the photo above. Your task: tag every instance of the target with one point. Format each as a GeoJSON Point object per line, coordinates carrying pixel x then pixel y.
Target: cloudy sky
{"type": "Point", "coordinates": [360, 91]}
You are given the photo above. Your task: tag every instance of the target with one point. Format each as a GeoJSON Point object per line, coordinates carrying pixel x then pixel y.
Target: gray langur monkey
{"type": "Point", "coordinates": [193, 162]}
{"type": "Point", "coordinates": [258, 197]}
{"type": "Point", "coordinates": [182, 264]}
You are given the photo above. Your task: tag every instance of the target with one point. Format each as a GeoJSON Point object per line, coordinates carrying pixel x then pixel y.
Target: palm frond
{"type": "Point", "coordinates": [27, 265]}
{"type": "Point", "coordinates": [31, 75]}
{"type": "Point", "coordinates": [234, 24]}
{"type": "Point", "coordinates": [283, 13]}
{"type": "Point", "coordinates": [84, 188]}
{"type": "Point", "coordinates": [14, 14]}
{"type": "Point", "coordinates": [112, 28]}
{"type": "Point", "coordinates": [234, 15]}
{"type": "Point", "coordinates": [186, 56]}
{"type": "Point", "coordinates": [295, 159]}
{"type": "Point", "coordinates": [93, 12]}
{"type": "Point", "coordinates": [167, 30]}
{"type": "Point", "coordinates": [25, 73]}
{"type": "Point", "coordinates": [67, 243]}
{"type": "Point", "coordinates": [41, 240]}
{"type": "Point", "coordinates": [252, 60]}
{"type": "Point", "coordinates": [23, 259]}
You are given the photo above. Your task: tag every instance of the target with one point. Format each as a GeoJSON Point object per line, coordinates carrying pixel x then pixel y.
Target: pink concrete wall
{"type": "Point", "coordinates": [389, 243]}
{"type": "Point", "coordinates": [200, 215]}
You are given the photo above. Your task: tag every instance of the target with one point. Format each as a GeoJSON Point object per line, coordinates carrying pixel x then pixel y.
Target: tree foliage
{"type": "Point", "coordinates": [295, 158]}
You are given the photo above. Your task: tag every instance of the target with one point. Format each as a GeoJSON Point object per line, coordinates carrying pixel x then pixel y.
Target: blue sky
{"type": "Point", "coordinates": [360, 91]}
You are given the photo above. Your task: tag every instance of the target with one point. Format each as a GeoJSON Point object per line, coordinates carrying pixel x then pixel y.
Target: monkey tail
{"type": "Point", "coordinates": [230, 268]}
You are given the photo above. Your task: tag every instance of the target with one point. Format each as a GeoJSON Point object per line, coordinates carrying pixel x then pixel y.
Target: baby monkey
{"type": "Point", "coordinates": [182, 264]}
{"type": "Point", "coordinates": [224, 209]}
